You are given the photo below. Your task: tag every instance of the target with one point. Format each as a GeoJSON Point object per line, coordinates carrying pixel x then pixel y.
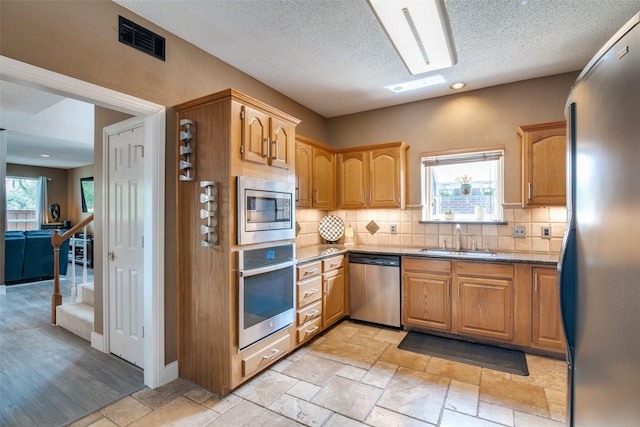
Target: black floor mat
{"type": "Point", "coordinates": [486, 356]}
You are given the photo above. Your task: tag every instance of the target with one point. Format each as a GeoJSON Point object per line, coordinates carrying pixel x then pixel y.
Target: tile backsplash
{"type": "Point", "coordinates": [411, 233]}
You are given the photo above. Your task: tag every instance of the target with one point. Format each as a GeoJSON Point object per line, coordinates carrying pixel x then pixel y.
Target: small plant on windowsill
{"type": "Point", "coordinates": [449, 214]}
{"type": "Point", "coordinates": [465, 184]}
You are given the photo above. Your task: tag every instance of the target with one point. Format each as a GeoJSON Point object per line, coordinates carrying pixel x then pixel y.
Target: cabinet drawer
{"type": "Point", "coordinates": [484, 269]}
{"type": "Point", "coordinates": [310, 312]}
{"type": "Point", "coordinates": [266, 356]}
{"type": "Point", "coordinates": [309, 270]}
{"type": "Point", "coordinates": [309, 291]}
{"type": "Point", "coordinates": [332, 263]}
{"type": "Point", "coordinates": [422, 265]}
{"type": "Point", "coordinates": [310, 329]}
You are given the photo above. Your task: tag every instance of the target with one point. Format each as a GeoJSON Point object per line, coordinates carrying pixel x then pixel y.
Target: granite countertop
{"type": "Point", "coordinates": [313, 252]}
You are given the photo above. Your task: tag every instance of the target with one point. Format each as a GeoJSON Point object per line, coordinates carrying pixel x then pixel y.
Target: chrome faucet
{"type": "Point", "coordinates": [457, 237]}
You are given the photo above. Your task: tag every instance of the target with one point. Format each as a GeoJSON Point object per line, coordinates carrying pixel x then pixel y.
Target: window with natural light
{"type": "Point", "coordinates": [463, 186]}
{"type": "Point", "coordinates": [22, 203]}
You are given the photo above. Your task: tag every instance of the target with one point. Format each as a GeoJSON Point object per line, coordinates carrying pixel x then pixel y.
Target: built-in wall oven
{"type": "Point", "coordinates": [266, 292]}
{"type": "Point", "coordinates": [266, 210]}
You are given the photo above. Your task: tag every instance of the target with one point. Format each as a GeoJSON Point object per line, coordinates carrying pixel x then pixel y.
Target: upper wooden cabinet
{"type": "Point", "coordinates": [266, 139]}
{"type": "Point", "coordinates": [544, 155]}
{"type": "Point", "coordinates": [373, 176]}
{"type": "Point", "coordinates": [353, 179]}
{"type": "Point", "coordinates": [315, 175]}
{"type": "Point", "coordinates": [304, 163]}
{"type": "Point", "coordinates": [324, 179]}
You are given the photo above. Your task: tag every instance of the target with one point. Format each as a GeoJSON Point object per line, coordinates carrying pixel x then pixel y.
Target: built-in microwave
{"type": "Point", "coordinates": [266, 210]}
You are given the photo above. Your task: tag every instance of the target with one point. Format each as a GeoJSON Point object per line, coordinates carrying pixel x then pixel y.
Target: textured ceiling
{"type": "Point", "coordinates": [334, 57]}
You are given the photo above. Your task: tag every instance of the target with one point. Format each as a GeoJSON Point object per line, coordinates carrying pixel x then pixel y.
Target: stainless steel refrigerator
{"type": "Point", "coordinates": [600, 261]}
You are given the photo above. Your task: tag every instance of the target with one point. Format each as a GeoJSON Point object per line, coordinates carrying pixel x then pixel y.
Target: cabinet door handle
{"type": "Point", "coordinates": [311, 314]}
{"type": "Point", "coordinates": [309, 331]}
{"type": "Point", "coordinates": [275, 153]}
{"type": "Point", "coordinates": [449, 290]}
{"type": "Point", "coordinates": [270, 356]}
{"type": "Point", "coordinates": [310, 292]}
{"type": "Point", "coordinates": [370, 196]}
{"type": "Point", "coordinates": [316, 193]}
{"type": "Point", "coordinates": [362, 198]}
{"type": "Point", "coordinates": [297, 194]}
{"type": "Point", "coordinates": [265, 142]}
{"type": "Point", "coordinates": [458, 290]}
{"type": "Point", "coordinates": [530, 191]}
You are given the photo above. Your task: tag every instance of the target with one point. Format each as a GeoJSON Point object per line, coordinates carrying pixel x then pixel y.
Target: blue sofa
{"type": "Point", "coordinates": [29, 256]}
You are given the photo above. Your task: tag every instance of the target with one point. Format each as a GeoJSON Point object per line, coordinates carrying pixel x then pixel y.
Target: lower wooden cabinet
{"type": "Point", "coordinates": [266, 352]}
{"type": "Point", "coordinates": [546, 323]}
{"type": "Point", "coordinates": [334, 291]}
{"type": "Point", "coordinates": [426, 293]}
{"type": "Point", "coordinates": [321, 292]}
{"type": "Point", "coordinates": [481, 303]}
{"type": "Point", "coordinates": [516, 304]}
{"type": "Point", "coordinates": [485, 300]}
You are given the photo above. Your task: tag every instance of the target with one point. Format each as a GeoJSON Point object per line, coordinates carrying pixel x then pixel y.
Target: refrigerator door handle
{"type": "Point", "coordinates": [567, 269]}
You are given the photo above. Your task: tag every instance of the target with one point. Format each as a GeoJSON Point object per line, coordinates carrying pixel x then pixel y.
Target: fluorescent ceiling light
{"type": "Point", "coordinates": [419, 31]}
{"type": "Point", "coordinates": [416, 84]}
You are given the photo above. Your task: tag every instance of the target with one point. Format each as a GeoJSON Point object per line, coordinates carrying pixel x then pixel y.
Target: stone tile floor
{"type": "Point", "coordinates": [354, 375]}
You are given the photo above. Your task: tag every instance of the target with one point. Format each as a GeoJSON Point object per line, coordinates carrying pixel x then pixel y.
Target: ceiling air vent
{"type": "Point", "coordinates": [140, 38]}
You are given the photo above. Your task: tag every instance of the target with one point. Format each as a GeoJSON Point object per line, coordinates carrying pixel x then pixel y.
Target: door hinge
{"type": "Point", "coordinates": [242, 115]}
{"type": "Point", "coordinates": [242, 149]}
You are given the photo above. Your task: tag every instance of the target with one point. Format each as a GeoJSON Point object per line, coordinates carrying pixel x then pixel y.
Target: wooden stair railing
{"type": "Point", "coordinates": [56, 240]}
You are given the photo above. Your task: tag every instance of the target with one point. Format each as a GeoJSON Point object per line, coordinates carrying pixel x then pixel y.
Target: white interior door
{"type": "Point", "coordinates": [125, 224]}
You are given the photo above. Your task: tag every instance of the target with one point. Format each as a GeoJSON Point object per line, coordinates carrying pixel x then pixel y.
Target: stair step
{"type": "Point", "coordinates": [76, 318]}
{"type": "Point", "coordinates": [86, 292]}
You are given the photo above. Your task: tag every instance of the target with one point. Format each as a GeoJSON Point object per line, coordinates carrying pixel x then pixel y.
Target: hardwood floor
{"type": "Point", "coordinates": [48, 376]}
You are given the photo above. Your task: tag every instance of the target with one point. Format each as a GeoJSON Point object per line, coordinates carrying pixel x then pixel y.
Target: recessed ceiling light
{"type": "Point", "coordinates": [45, 155]}
{"type": "Point", "coordinates": [457, 86]}
{"type": "Point", "coordinates": [416, 84]}
{"type": "Point", "coordinates": [419, 31]}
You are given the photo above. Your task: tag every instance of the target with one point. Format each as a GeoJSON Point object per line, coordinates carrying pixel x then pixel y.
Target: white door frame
{"type": "Point", "coordinates": [154, 198]}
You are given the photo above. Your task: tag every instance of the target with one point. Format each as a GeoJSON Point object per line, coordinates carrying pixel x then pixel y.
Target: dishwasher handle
{"type": "Point", "coordinates": [373, 259]}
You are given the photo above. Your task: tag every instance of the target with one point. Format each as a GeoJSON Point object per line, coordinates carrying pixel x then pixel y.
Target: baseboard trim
{"type": "Point", "coordinates": [170, 372]}
{"type": "Point", "coordinates": [97, 342]}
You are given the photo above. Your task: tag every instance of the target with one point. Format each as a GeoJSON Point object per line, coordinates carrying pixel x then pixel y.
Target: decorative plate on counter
{"type": "Point", "coordinates": [331, 228]}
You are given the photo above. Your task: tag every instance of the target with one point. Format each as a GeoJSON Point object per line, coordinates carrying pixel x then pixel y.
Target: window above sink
{"type": "Point", "coordinates": [463, 186]}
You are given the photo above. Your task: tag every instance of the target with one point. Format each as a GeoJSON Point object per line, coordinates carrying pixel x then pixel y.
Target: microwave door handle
{"type": "Point", "coordinates": [267, 269]}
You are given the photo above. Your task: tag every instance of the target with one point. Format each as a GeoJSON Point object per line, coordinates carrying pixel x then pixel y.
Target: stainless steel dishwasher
{"type": "Point", "coordinates": [374, 288]}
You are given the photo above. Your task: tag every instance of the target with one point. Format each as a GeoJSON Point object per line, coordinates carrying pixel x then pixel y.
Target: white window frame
{"type": "Point", "coordinates": [433, 159]}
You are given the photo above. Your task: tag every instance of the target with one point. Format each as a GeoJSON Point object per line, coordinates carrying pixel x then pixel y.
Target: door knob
{"type": "Point", "coordinates": [111, 255]}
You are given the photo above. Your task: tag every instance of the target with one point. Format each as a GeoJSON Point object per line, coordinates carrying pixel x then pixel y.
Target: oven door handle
{"type": "Point", "coordinates": [267, 269]}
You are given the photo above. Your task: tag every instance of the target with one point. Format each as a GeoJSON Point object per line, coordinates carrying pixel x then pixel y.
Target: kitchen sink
{"type": "Point", "coordinates": [461, 253]}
